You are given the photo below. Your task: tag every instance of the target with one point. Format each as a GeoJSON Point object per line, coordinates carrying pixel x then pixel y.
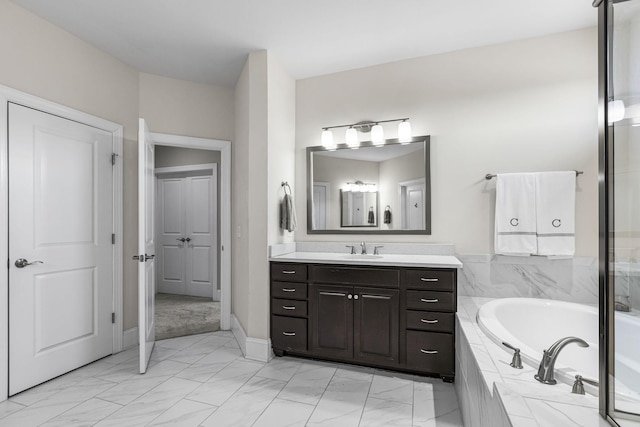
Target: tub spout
{"type": "Point", "coordinates": [547, 364]}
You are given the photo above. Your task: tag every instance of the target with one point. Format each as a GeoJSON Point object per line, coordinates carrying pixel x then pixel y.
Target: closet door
{"type": "Point", "coordinates": [171, 236]}
{"type": "Point", "coordinates": [201, 233]}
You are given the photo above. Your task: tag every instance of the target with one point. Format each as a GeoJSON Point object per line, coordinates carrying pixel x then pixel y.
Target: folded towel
{"type": "Point", "coordinates": [288, 219]}
{"type": "Point", "coordinates": [387, 216]}
{"type": "Point", "coordinates": [555, 213]}
{"type": "Point", "coordinates": [515, 222]}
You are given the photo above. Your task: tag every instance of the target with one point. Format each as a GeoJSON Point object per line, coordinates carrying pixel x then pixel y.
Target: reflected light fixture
{"type": "Point", "coordinates": [376, 129]}
{"type": "Point", "coordinates": [404, 131]}
{"type": "Point", "coordinates": [327, 139]}
{"type": "Point", "coordinates": [616, 110]}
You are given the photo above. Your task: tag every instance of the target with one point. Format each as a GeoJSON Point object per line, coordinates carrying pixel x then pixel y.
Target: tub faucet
{"type": "Point", "coordinates": [364, 248]}
{"type": "Point", "coordinates": [547, 364]}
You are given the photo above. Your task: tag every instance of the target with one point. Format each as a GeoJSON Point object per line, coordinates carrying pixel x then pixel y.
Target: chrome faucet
{"type": "Point", "coordinates": [547, 364]}
{"type": "Point", "coordinates": [364, 248]}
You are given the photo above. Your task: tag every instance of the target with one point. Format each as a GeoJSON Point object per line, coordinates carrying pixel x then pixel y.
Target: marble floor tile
{"type": "Point", "coordinates": [386, 413]}
{"type": "Point", "coordinates": [185, 413]}
{"type": "Point", "coordinates": [284, 413]}
{"type": "Point", "coordinates": [87, 413]}
{"type": "Point", "coordinates": [204, 380]}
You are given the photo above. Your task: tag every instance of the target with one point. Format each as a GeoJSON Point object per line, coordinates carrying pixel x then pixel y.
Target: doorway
{"type": "Point", "coordinates": [412, 204]}
{"type": "Point", "coordinates": [187, 259]}
{"type": "Point", "coordinates": [224, 208]}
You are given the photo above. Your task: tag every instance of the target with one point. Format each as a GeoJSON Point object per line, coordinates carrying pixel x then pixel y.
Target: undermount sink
{"type": "Point", "coordinates": [356, 256]}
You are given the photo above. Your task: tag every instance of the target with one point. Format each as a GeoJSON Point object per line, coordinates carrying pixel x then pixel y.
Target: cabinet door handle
{"type": "Point", "coordinates": [349, 296]}
{"type": "Point", "coordinates": [428, 351]}
{"type": "Point", "coordinates": [289, 334]}
{"type": "Point", "coordinates": [429, 300]}
{"type": "Point", "coordinates": [426, 279]}
{"type": "Point", "coordinates": [289, 307]}
{"type": "Point", "coordinates": [288, 272]}
{"type": "Point", "coordinates": [288, 290]}
{"type": "Point", "coordinates": [356, 297]}
{"type": "Point", "coordinates": [429, 321]}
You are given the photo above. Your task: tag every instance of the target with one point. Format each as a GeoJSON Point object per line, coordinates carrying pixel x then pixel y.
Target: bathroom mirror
{"type": "Point", "coordinates": [374, 189]}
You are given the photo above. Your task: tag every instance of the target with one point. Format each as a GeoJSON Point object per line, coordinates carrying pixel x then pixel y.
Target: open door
{"type": "Point", "coordinates": [146, 245]}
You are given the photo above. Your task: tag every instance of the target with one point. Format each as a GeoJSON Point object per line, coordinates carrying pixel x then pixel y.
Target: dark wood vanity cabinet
{"type": "Point", "coordinates": [390, 317]}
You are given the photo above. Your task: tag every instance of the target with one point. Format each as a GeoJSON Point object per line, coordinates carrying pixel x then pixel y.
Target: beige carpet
{"type": "Point", "coordinates": [179, 315]}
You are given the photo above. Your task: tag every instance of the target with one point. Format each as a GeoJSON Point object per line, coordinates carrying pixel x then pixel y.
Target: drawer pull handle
{"type": "Point", "coordinates": [288, 272]}
{"type": "Point", "coordinates": [429, 300]}
{"type": "Point", "coordinates": [288, 290]}
{"type": "Point", "coordinates": [428, 351]}
{"type": "Point", "coordinates": [425, 279]}
{"type": "Point", "coordinates": [289, 307]}
{"type": "Point", "coordinates": [429, 321]}
{"type": "Point", "coordinates": [289, 334]}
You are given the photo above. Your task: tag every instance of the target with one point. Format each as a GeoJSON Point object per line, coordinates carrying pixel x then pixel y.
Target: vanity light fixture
{"type": "Point", "coordinates": [352, 137]}
{"type": "Point", "coordinates": [377, 133]}
{"type": "Point", "coordinates": [404, 131]}
{"type": "Point", "coordinates": [327, 139]}
{"type": "Point", "coordinates": [361, 187]}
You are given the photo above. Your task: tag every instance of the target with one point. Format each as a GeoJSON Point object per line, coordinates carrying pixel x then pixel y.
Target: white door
{"type": "Point", "coordinates": [61, 256]}
{"type": "Point", "coordinates": [171, 236]}
{"type": "Point", "coordinates": [319, 207]}
{"type": "Point", "coordinates": [187, 233]}
{"type": "Point", "coordinates": [415, 207]}
{"type": "Point", "coordinates": [146, 245]}
{"type": "Point", "coordinates": [201, 235]}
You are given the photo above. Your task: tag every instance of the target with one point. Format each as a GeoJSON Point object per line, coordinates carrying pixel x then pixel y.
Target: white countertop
{"type": "Point", "coordinates": [394, 260]}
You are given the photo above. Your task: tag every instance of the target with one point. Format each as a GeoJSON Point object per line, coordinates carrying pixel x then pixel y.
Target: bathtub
{"type": "Point", "coordinates": [532, 325]}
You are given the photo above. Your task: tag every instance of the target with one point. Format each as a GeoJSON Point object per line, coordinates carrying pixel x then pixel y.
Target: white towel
{"type": "Point", "coordinates": [555, 213]}
{"type": "Point", "coordinates": [515, 228]}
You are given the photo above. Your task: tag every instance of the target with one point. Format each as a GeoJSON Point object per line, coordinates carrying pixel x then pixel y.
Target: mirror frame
{"type": "Point", "coordinates": [426, 139]}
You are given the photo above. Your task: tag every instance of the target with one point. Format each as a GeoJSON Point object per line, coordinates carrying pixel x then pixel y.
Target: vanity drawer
{"type": "Point", "coordinates": [431, 279]}
{"type": "Point", "coordinates": [288, 333]}
{"type": "Point", "coordinates": [289, 290]}
{"type": "Point", "coordinates": [430, 352]}
{"type": "Point", "coordinates": [289, 307]}
{"type": "Point", "coordinates": [430, 321]}
{"type": "Point", "coordinates": [431, 300]}
{"type": "Point", "coordinates": [289, 272]}
{"type": "Point", "coordinates": [389, 278]}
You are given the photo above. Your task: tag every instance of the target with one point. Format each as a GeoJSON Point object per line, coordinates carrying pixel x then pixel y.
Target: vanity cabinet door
{"type": "Point", "coordinates": [376, 325]}
{"type": "Point", "coordinates": [331, 311]}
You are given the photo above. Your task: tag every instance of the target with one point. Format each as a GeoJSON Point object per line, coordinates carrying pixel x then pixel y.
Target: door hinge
{"type": "Point", "coordinates": [113, 238]}
{"type": "Point", "coordinates": [113, 318]}
{"type": "Point", "coordinates": [113, 158]}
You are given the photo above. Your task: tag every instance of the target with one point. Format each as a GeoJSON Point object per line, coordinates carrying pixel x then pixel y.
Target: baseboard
{"type": "Point", "coordinates": [130, 338]}
{"type": "Point", "coordinates": [252, 348]}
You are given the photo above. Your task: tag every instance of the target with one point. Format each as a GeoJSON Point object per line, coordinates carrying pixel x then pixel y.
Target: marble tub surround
{"type": "Point", "coordinates": [492, 393]}
{"type": "Point", "coordinates": [415, 256]}
{"type": "Point", "coordinates": [499, 276]}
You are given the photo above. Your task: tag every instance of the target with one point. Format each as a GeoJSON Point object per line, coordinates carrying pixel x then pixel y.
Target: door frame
{"type": "Point", "coordinates": [213, 167]}
{"type": "Point", "coordinates": [224, 200]}
{"type": "Point", "coordinates": [7, 95]}
{"type": "Point", "coordinates": [403, 187]}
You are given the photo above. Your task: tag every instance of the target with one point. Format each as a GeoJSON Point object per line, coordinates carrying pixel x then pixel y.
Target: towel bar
{"type": "Point", "coordinates": [490, 176]}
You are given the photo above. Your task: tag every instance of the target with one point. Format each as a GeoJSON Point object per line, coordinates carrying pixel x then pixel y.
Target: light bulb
{"type": "Point", "coordinates": [404, 131]}
{"type": "Point", "coordinates": [377, 134]}
{"type": "Point", "coordinates": [352, 138]}
{"type": "Point", "coordinates": [327, 139]}
{"type": "Point", "coordinates": [616, 111]}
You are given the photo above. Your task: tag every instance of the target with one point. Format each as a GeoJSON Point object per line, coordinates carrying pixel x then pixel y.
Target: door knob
{"type": "Point", "coordinates": [148, 257]}
{"type": "Point", "coordinates": [181, 240]}
{"type": "Point", "coordinates": [22, 263]}
{"type": "Point", "coordinates": [188, 239]}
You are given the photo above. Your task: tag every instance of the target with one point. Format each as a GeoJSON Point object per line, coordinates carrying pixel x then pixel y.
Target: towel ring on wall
{"type": "Point", "coordinates": [285, 185]}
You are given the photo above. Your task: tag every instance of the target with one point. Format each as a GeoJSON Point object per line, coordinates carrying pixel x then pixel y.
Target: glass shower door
{"type": "Point", "coordinates": [624, 219]}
